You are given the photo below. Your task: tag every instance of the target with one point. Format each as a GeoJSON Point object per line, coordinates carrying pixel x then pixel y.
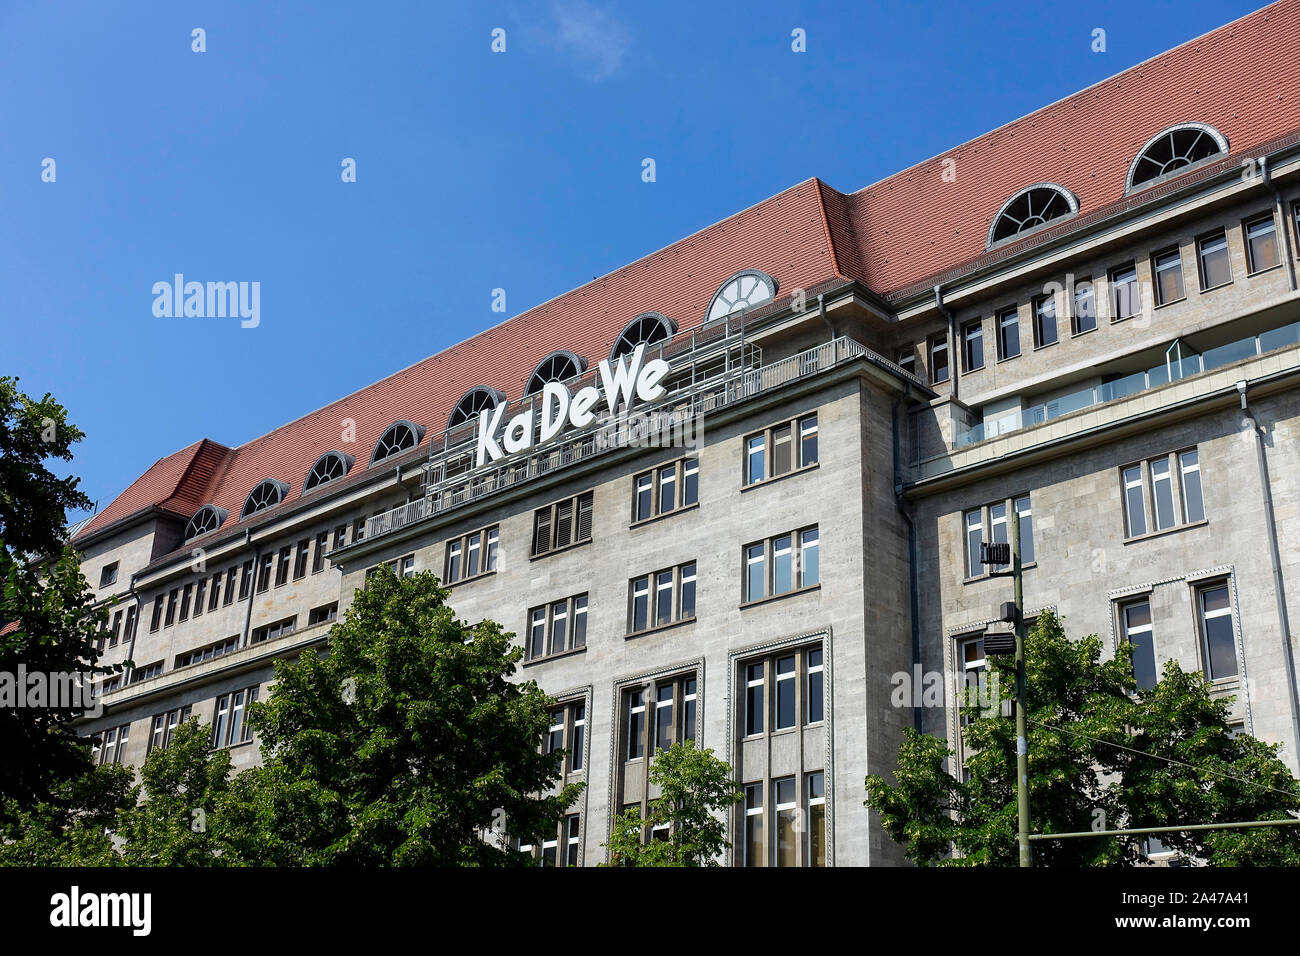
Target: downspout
{"type": "Point", "coordinates": [821, 310]}
{"type": "Point", "coordinates": [252, 585]}
{"type": "Point", "coordinates": [952, 341]}
{"type": "Point", "coordinates": [1279, 587]}
{"type": "Point", "coordinates": [1280, 211]}
{"type": "Point", "coordinates": [912, 583]}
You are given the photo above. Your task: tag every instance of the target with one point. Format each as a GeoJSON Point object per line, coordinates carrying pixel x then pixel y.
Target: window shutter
{"type": "Point", "coordinates": [584, 516]}
{"type": "Point", "coordinates": [542, 531]}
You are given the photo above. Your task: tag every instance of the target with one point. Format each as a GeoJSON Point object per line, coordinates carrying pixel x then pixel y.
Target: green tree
{"type": "Point", "coordinates": [47, 617]}
{"type": "Point", "coordinates": [695, 787]}
{"type": "Point", "coordinates": [403, 746]}
{"type": "Point", "coordinates": [1102, 755]}
{"type": "Point", "coordinates": [75, 827]}
{"type": "Point", "coordinates": [185, 795]}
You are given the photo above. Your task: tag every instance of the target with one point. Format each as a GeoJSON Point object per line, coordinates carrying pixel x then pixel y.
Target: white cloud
{"type": "Point", "coordinates": [590, 35]}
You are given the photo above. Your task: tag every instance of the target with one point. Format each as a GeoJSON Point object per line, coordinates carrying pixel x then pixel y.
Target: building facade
{"type": "Point", "coordinates": [1086, 321]}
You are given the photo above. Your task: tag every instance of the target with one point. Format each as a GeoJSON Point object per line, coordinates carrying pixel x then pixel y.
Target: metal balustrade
{"type": "Point", "coordinates": [1172, 370]}
{"type": "Point", "coordinates": [689, 401]}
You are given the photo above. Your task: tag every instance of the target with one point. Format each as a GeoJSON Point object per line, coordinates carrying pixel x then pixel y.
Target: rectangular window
{"type": "Point", "coordinates": [754, 699]}
{"type": "Point", "coordinates": [1218, 641]}
{"type": "Point", "coordinates": [1025, 515]}
{"type": "Point", "coordinates": [214, 596]}
{"type": "Point", "coordinates": [340, 537]}
{"type": "Point", "coordinates": [208, 652]}
{"type": "Point", "coordinates": [318, 557]}
{"type": "Point", "coordinates": [1045, 321]}
{"type": "Point", "coordinates": [1134, 506]}
{"type": "Point", "coordinates": [555, 526]}
{"type": "Point", "coordinates": [663, 490]}
{"type": "Point", "coordinates": [973, 666]}
{"type": "Point", "coordinates": [1167, 268]}
{"type": "Point", "coordinates": [1136, 621]}
{"type": "Point", "coordinates": [472, 555]}
{"type": "Point", "coordinates": [108, 575]}
{"type": "Point", "coordinates": [816, 783]}
{"type": "Point", "coordinates": [579, 718]}
{"type": "Point", "coordinates": [1212, 253]}
{"type": "Point", "coordinates": [229, 726]}
{"type": "Point", "coordinates": [635, 724]}
{"type": "Point", "coordinates": [1162, 494]}
{"type": "Point", "coordinates": [557, 627]}
{"type": "Point", "coordinates": [200, 592]}
{"type": "Point", "coordinates": [268, 632]}
{"type": "Point", "coordinates": [230, 585]}
{"type": "Point", "coordinates": [129, 631]}
{"type": "Point", "coordinates": [792, 558]}
{"type": "Point", "coordinates": [115, 632]}
{"type": "Point", "coordinates": [323, 614]}
{"type": "Point", "coordinates": [264, 572]}
{"type": "Point", "coordinates": [1083, 317]}
{"type": "Point", "coordinates": [938, 349]}
{"type": "Point", "coordinates": [664, 701]}
{"type": "Point", "coordinates": [156, 621]}
{"type": "Point", "coordinates": [787, 823]}
{"type": "Point", "coordinates": [793, 445]}
{"type": "Point", "coordinates": [358, 530]}
{"type": "Point", "coordinates": [172, 598]}
{"type": "Point", "coordinates": [785, 692]}
{"type": "Point", "coordinates": [300, 561]}
{"type": "Point", "coordinates": [974, 538]}
{"type": "Point", "coordinates": [905, 358]}
{"type": "Point", "coordinates": [163, 727]}
{"type": "Point", "coordinates": [1125, 296]}
{"type": "Point", "coordinates": [1261, 244]}
{"type": "Point", "coordinates": [187, 595]}
{"type": "Point", "coordinates": [998, 529]}
{"type": "Point", "coordinates": [972, 346]}
{"type": "Point", "coordinates": [661, 598]}
{"type": "Point", "coordinates": [146, 672]}
{"type": "Point", "coordinates": [1189, 473]}
{"type": "Point", "coordinates": [814, 702]}
{"type": "Point", "coordinates": [572, 841]}
{"type": "Point", "coordinates": [1009, 334]}
{"type": "Point", "coordinates": [688, 708]}
{"type": "Point", "coordinates": [282, 571]}
{"type": "Point", "coordinates": [754, 846]}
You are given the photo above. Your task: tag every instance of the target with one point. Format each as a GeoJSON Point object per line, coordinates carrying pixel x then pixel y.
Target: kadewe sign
{"type": "Point", "coordinates": [631, 377]}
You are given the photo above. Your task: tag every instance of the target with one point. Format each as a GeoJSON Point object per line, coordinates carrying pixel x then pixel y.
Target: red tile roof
{"type": "Point", "coordinates": [1243, 79]}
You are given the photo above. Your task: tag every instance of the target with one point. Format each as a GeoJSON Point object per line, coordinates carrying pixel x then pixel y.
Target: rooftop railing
{"type": "Point", "coordinates": [1176, 366]}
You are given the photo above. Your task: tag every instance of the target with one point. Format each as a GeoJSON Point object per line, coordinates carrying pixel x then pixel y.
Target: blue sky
{"type": "Point", "coordinates": [475, 170]}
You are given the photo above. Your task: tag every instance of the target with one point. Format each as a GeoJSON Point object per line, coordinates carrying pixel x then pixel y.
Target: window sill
{"type": "Point", "coordinates": [1260, 272]}
{"type": "Point", "coordinates": [779, 597]}
{"type": "Point", "coordinates": [989, 577]}
{"type": "Point", "coordinates": [775, 478]}
{"type": "Point", "coordinates": [567, 547]}
{"type": "Point", "coordinates": [632, 635]}
{"type": "Point", "coordinates": [475, 577]}
{"type": "Point", "coordinates": [1214, 288]}
{"type": "Point", "coordinates": [1075, 335]}
{"type": "Point", "coordinates": [666, 514]}
{"type": "Point", "coordinates": [1009, 358]}
{"type": "Point", "coordinates": [1046, 345]}
{"type": "Point", "coordinates": [1124, 318]}
{"type": "Point", "coordinates": [1164, 531]}
{"type": "Point", "coordinates": [1181, 298]}
{"type": "Point", "coordinates": [571, 652]}
{"type": "Point", "coordinates": [972, 371]}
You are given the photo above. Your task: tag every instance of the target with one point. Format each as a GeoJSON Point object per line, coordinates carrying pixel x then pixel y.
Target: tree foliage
{"type": "Point", "coordinates": [48, 620]}
{"type": "Point", "coordinates": [695, 789]}
{"type": "Point", "coordinates": [403, 745]}
{"type": "Point", "coordinates": [1102, 755]}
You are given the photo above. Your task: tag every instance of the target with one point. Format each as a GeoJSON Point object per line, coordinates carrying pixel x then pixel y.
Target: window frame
{"type": "Point", "coordinates": [1201, 241]}
{"type": "Point", "coordinates": [1201, 589]}
{"type": "Point", "coordinates": [1134, 295]}
{"type": "Point", "coordinates": [575, 607]}
{"type": "Point", "coordinates": [576, 505]}
{"type": "Point", "coordinates": [975, 571]}
{"type": "Point", "coordinates": [1077, 317]}
{"type": "Point", "coordinates": [1004, 320]}
{"type": "Point", "coordinates": [488, 547]}
{"type": "Point", "coordinates": [972, 341]}
{"type": "Point", "coordinates": [1036, 306]}
{"type": "Point", "coordinates": [799, 427]}
{"type": "Point", "coordinates": [936, 345]}
{"type": "Point", "coordinates": [1172, 254]}
{"type": "Point", "coordinates": [1252, 268]}
{"type": "Point", "coordinates": [678, 576]}
{"type": "Point", "coordinates": [798, 564]}
{"type": "Point", "coordinates": [1126, 632]}
{"type": "Point", "coordinates": [683, 468]}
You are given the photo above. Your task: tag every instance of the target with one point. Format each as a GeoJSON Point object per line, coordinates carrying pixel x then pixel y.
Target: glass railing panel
{"type": "Point", "coordinates": [1280, 338]}
{"type": "Point", "coordinates": [1227, 354]}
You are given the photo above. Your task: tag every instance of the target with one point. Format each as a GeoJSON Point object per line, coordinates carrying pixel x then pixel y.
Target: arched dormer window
{"type": "Point", "coordinates": [744, 290]}
{"type": "Point", "coordinates": [1173, 150]}
{"type": "Point", "coordinates": [473, 402]}
{"type": "Point", "coordinates": [1030, 208]}
{"type": "Point", "coordinates": [399, 437]}
{"type": "Point", "coordinates": [267, 494]}
{"type": "Point", "coordinates": [556, 367]}
{"type": "Point", "coordinates": [206, 520]}
{"type": "Point", "coordinates": [331, 466]}
{"type": "Point", "coordinates": [646, 329]}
